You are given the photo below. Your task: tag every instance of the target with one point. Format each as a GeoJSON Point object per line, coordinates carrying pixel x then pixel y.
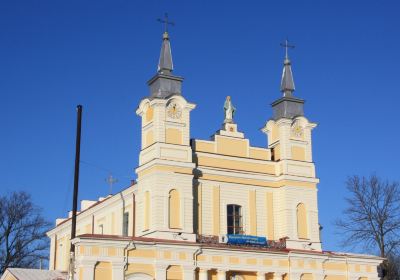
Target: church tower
{"type": "Point", "coordinates": [289, 139]}
{"type": "Point", "coordinates": [165, 173]}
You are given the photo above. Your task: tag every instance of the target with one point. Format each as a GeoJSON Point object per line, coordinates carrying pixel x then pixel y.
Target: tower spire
{"type": "Point", "coordinates": [287, 106]}
{"type": "Point", "coordinates": [287, 82]}
{"type": "Point", "coordinates": [165, 84]}
{"type": "Point", "coordinates": [165, 64]}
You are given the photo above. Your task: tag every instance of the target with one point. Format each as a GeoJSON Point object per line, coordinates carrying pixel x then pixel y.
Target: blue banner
{"type": "Point", "coordinates": [239, 239]}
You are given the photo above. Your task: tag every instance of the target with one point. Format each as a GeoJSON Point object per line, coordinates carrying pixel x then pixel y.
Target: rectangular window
{"type": "Point", "coordinates": [234, 219]}
{"type": "Point", "coordinates": [125, 224]}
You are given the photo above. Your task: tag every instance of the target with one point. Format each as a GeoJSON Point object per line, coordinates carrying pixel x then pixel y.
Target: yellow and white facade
{"type": "Point", "coordinates": [190, 193]}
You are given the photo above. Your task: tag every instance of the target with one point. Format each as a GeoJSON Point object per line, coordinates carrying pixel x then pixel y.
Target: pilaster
{"type": "Point", "coordinates": [221, 274]}
{"type": "Point", "coordinates": [277, 276]}
{"type": "Point", "coordinates": [261, 275]}
{"type": "Point", "coordinates": [118, 271]}
{"type": "Point", "coordinates": [203, 274]}
{"type": "Point", "coordinates": [189, 273]}
{"type": "Point", "coordinates": [161, 272]}
{"type": "Point", "coordinates": [88, 270]}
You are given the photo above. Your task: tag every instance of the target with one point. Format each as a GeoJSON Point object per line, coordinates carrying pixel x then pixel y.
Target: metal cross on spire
{"type": "Point", "coordinates": [287, 46]}
{"type": "Point", "coordinates": [110, 180]}
{"type": "Point", "coordinates": [166, 21]}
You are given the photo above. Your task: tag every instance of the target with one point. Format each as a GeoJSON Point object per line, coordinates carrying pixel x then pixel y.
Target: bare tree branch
{"type": "Point", "coordinates": [23, 240]}
{"type": "Point", "coordinates": [372, 216]}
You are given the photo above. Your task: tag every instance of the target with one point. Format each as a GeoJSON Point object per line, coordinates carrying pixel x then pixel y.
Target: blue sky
{"type": "Point", "coordinates": [57, 54]}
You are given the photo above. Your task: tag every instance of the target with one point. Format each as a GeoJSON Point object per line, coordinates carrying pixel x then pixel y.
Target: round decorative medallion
{"type": "Point", "coordinates": [174, 111]}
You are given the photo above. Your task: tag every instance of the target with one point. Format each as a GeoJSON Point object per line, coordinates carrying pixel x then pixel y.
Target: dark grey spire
{"type": "Point", "coordinates": [165, 64]}
{"type": "Point", "coordinates": [287, 83]}
{"type": "Point", "coordinates": [287, 106]}
{"type": "Point", "coordinates": [164, 84]}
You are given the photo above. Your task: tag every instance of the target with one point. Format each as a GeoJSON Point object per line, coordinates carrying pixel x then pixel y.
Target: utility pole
{"type": "Point", "coordinates": [71, 272]}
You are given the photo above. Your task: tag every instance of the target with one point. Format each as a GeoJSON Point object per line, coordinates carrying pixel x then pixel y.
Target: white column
{"type": "Point", "coordinates": [221, 274]}
{"type": "Point", "coordinates": [319, 276]}
{"type": "Point", "coordinates": [161, 272]}
{"type": "Point", "coordinates": [260, 275]}
{"type": "Point", "coordinates": [203, 274]}
{"type": "Point", "coordinates": [188, 273]}
{"type": "Point", "coordinates": [88, 271]}
{"type": "Point", "coordinates": [118, 271]}
{"type": "Point", "coordinates": [295, 276]}
{"type": "Point", "coordinates": [277, 276]}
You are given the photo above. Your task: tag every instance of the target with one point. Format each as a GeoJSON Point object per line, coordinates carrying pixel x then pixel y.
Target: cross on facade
{"type": "Point", "coordinates": [165, 21]}
{"type": "Point", "coordinates": [287, 46]}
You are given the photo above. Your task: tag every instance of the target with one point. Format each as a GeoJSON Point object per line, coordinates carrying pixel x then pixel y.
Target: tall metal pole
{"type": "Point", "coordinates": [75, 197]}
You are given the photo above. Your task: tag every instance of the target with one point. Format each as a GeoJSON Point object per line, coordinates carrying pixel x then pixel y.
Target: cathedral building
{"type": "Point", "coordinates": [215, 208]}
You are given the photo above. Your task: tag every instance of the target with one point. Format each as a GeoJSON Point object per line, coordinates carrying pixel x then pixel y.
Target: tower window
{"type": "Point", "coordinates": [234, 219]}
{"type": "Point", "coordinates": [125, 224]}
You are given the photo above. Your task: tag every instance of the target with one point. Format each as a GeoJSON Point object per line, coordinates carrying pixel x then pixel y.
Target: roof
{"type": "Point", "coordinates": [34, 274]}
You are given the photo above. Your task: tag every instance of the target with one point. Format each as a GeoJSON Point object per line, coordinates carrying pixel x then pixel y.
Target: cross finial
{"type": "Point", "coordinates": [110, 180]}
{"type": "Point", "coordinates": [287, 46]}
{"type": "Point", "coordinates": [166, 21]}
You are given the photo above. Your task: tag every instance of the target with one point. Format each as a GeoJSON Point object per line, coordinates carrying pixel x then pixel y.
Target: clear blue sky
{"type": "Point", "coordinates": [57, 54]}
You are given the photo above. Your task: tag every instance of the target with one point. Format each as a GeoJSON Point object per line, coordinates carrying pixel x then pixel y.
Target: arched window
{"type": "Point", "coordinates": [174, 209]}
{"type": "Point", "coordinates": [234, 219]}
{"type": "Point", "coordinates": [146, 210]}
{"type": "Point", "coordinates": [302, 221]}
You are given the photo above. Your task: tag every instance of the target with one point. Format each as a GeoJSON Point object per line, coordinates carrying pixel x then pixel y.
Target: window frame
{"type": "Point", "coordinates": [234, 213]}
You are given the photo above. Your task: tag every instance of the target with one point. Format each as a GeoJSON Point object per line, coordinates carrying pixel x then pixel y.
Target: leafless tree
{"type": "Point", "coordinates": [23, 240]}
{"type": "Point", "coordinates": [372, 216]}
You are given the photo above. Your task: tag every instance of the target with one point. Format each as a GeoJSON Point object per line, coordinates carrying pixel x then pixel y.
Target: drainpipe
{"type": "Point", "coordinates": [196, 253]}
{"type": "Point", "coordinates": [130, 244]}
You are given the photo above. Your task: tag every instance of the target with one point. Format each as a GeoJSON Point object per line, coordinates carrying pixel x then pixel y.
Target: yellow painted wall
{"type": "Point", "coordinates": [146, 210]}
{"type": "Point", "coordinates": [149, 114]}
{"type": "Point", "coordinates": [259, 154]}
{"type": "Point", "coordinates": [253, 212]}
{"type": "Point", "coordinates": [142, 253]}
{"type": "Point", "coordinates": [149, 138]}
{"type": "Point", "coordinates": [140, 268]}
{"type": "Point", "coordinates": [202, 146]}
{"type": "Point", "coordinates": [302, 221]}
{"type": "Point", "coordinates": [174, 209]}
{"type": "Point", "coordinates": [216, 214]}
{"type": "Point", "coordinates": [334, 266]}
{"type": "Point", "coordinates": [173, 136]}
{"type": "Point", "coordinates": [174, 272]}
{"type": "Point", "coordinates": [232, 147]}
{"type": "Point", "coordinates": [236, 165]}
{"type": "Point", "coordinates": [307, 276]}
{"type": "Point", "coordinates": [103, 271]}
{"type": "Point", "coordinates": [270, 217]}
{"type": "Point", "coordinates": [298, 153]}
